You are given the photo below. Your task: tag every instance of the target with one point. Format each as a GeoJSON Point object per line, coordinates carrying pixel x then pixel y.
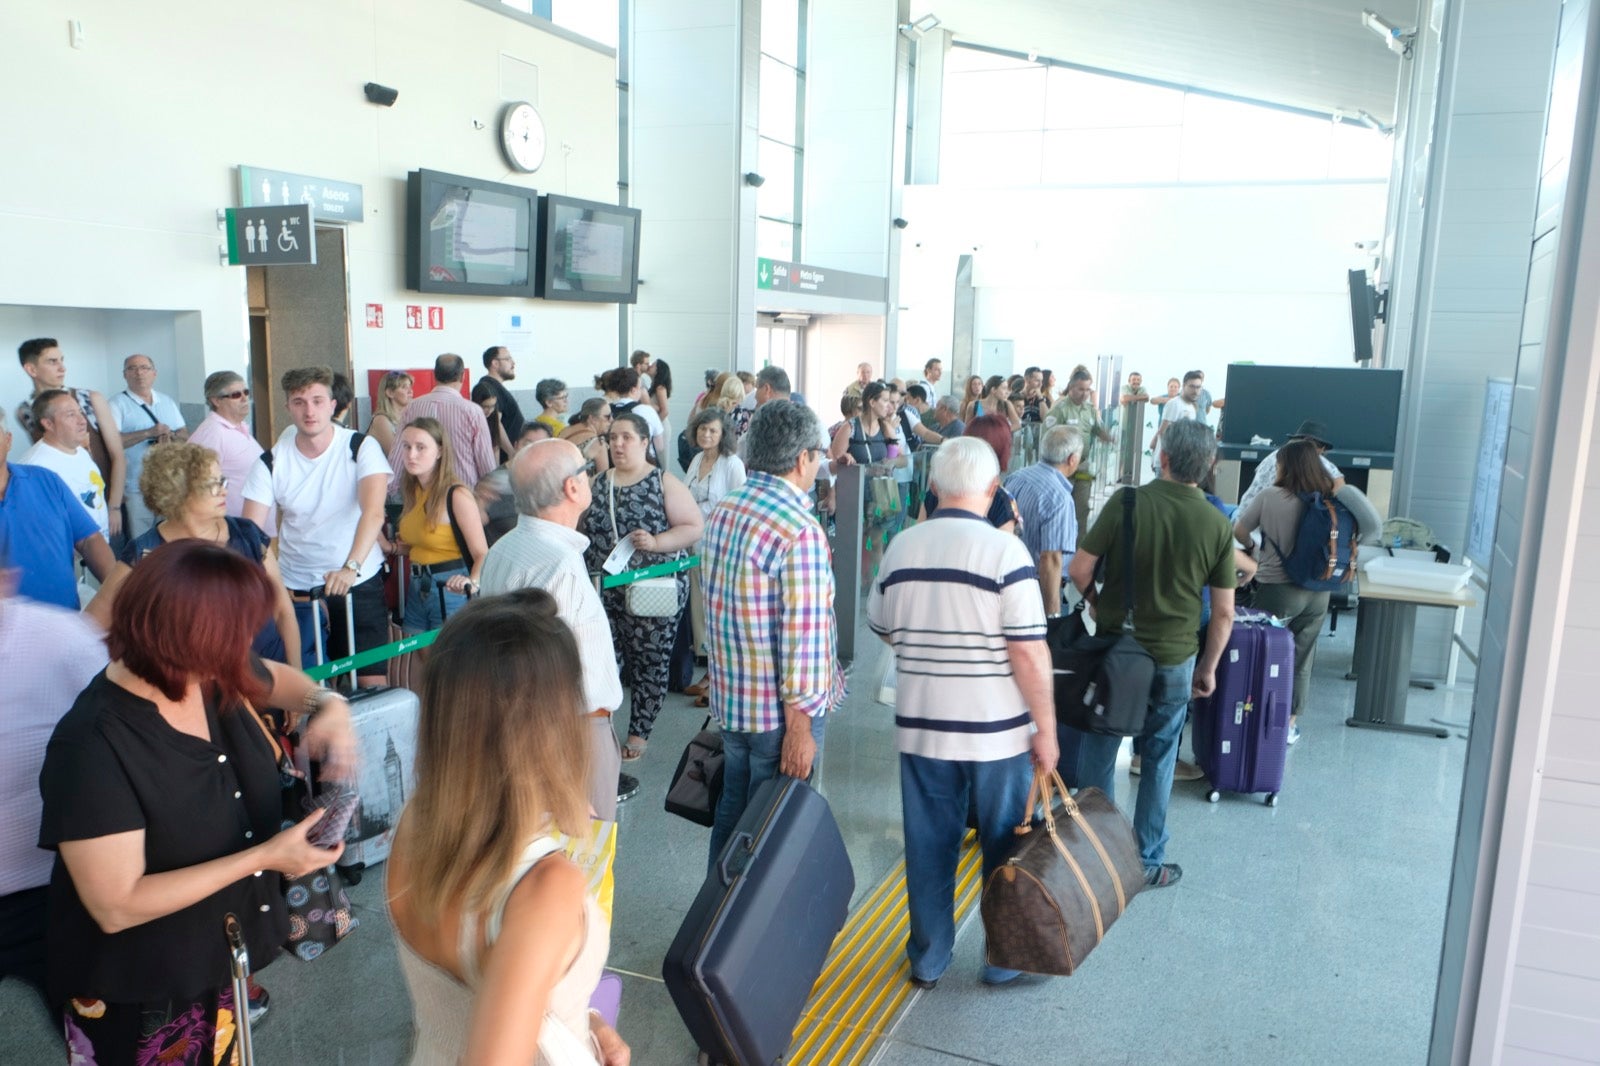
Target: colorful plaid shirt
{"type": "Point", "coordinates": [768, 581]}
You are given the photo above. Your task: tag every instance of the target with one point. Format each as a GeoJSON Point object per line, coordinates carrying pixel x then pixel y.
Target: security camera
{"type": "Point", "coordinates": [901, 223]}
{"type": "Point", "coordinates": [380, 94]}
{"type": "Point", "coordinates": [1398, 40]}
{"type": "Point", "coordinates": [754, 180]}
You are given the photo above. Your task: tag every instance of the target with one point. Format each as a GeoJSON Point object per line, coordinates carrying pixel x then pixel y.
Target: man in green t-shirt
{"type": "Point", "coordinates": [1180, 544]}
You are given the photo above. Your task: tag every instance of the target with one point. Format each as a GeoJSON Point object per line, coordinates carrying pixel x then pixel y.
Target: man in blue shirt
{"type": "Point", "coordinates": [1043, 493]}
{"type": "Point", "coordinates": [41, 525]}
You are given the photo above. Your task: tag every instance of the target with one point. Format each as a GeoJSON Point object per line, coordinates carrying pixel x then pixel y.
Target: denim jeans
{"type": "Point", "coordinates": [748, 759]}
{"type": "Point", "coordinates": [1158, 747]}
{"type": "Point", "coordinates": [934, 794]}
{"type": "Point", "coordinates": [422, 602]}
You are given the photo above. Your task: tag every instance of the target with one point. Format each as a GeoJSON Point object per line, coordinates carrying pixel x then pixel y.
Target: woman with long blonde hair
{"type": "Point", "coordinates": [393, 394]}
{"type": "Point", "coordinates": [501, 945]}
{"type": "Point", "coordinates": [440, 527]}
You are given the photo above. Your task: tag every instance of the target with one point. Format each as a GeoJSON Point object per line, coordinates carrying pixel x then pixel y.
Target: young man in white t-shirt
{"type": "Point", "coordinates": [1185, 405]}
{"type": "Point", "coordinates": [63, 449]}
{"type": "Point", "coordinates": [329, 493]}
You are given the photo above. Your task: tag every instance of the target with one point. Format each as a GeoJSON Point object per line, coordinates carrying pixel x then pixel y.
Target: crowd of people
{"type": "Point", "coordinates": [209, 571]}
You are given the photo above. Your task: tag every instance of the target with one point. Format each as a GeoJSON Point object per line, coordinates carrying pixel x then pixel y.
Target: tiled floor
{"type": "Point", "coordinates": [1306, 933]}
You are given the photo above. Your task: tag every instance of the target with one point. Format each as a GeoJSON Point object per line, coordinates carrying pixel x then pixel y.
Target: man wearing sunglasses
{"type": "Point", "coordinates": [226, 431]}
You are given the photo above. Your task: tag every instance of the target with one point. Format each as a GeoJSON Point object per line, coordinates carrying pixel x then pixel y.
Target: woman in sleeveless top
{"type": "Point", "coordinates": [440, 528]}
{"type": "Point", "coordinates": [972, 399]}
{"type": "Point", "coordinates": [872, 437]}
{"type": "Point", "coordinates": [652, 509]}
{"type": "Point", "coordinates": [500, 943]}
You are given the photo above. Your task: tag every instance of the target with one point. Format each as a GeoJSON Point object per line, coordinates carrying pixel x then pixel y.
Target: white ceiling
{"type": "Point", "coordinates": [1303, 53]}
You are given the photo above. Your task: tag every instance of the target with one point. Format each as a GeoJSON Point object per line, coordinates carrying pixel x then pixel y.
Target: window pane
{"type": "Point", "coordinates": [994, 100]}
{"type": "Point", "coordinates": [595, 19]}
{"type": "Point", "coordinates": [780, 30]}
{"type": "Point", "coordinates": [991, 158]}
{"type": "Point", "coordinates": [778, 91]}
{"type": "Point", "coordinates": [1360, 153]}
{"type": "Point", "coordinates": [1228, 141]}
{"type": "Point", "coordinates": [1075, 99]}
{"type": "Point", "coordinates": [1121, 155]}
{"type": "Point", "coordinates": [774, 240]}
{"type": "Point", "coordinates": [776, 198]}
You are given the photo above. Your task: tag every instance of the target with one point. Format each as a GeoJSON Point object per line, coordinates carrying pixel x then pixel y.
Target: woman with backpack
{"type": "Point", "coordinates": [1278, 513]}
{"type": "Point", "coordinates": [621, 390]}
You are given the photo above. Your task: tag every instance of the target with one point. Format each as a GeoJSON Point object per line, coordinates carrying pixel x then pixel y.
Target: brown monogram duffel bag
{"type": "Point", "coordinates": [1068, 877]}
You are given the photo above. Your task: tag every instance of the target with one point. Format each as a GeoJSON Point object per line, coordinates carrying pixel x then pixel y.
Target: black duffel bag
{"type": "Point", "coordinates": [1102, 680]}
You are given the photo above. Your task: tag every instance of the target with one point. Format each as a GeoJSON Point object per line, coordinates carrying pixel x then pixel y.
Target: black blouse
{"type": "Point", "coordinates": [115, 765]}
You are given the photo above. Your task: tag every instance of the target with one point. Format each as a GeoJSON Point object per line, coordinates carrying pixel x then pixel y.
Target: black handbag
{"type": "Point", "coordinates": [697, 783]}
{"type": "Point", "coordinates": [1102, 680]}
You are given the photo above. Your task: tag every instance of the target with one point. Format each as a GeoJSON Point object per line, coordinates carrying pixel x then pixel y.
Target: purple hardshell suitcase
{"type": "Point", "coordinates": [1241, 731]}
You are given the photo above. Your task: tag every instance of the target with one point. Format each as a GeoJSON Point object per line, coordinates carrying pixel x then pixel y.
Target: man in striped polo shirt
{"type": "Point", "coordinates": [959, 602]}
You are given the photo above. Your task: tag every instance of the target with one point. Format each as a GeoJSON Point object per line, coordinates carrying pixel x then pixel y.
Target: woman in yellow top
{"type": "Point", "coordinates": [552, 396]}
{"type": "Point", "coordinates": [440, 527]}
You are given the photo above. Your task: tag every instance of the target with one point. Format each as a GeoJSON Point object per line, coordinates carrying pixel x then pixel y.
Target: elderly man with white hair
{"type": "Point", "coordinates": [958, 601]}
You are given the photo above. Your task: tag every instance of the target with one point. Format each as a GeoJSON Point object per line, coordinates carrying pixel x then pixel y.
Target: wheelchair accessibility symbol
{"type": "Point", "coordinates": [286, 240]}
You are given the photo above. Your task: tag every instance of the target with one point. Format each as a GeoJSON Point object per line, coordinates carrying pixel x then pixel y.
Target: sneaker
{"type": "Point", "coordinates": [1134, 765]}
{"type": "Point", "coordinates": [257, 1001]}
{"type": "Point", "coordinates": [1294, 734]}
{"type": "Point", "coordinates": [927, 984]}
{"type": "Point", "coordinates": [1187, 771]}
{"type": "Point", "coordinates": [627, 787]}
{"type": "Point", "coordinates": [1163, 876]}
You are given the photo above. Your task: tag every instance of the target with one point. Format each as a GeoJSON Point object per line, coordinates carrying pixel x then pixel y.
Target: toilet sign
{"type": "Point", "coordinates": [271, 236]}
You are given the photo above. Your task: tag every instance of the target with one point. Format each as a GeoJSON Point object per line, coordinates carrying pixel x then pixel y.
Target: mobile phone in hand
{"type": "Point", "coordinates": [340, 805]}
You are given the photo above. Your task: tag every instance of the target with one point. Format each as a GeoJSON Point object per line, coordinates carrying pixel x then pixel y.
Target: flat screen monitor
{"type": "Point", "coordinates": [1360, 406]}
{"type": "Point", "coordinates": [590, 250]}
{"type": "Point", "coordinates": [1363, 313]}
{"type": "Point", "coordinates": [470, 237]}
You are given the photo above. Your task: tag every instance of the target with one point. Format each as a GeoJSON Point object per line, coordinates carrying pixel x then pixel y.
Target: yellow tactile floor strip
{"type": "Point", "coordinates": [866, 980]}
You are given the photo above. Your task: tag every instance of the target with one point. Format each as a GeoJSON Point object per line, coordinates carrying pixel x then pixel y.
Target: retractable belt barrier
{"type": "Point", "coordinates": [385, 652]}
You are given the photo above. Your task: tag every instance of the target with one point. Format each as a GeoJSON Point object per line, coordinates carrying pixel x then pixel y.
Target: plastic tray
{"type": "Point", "coordinates": [1423, 574]}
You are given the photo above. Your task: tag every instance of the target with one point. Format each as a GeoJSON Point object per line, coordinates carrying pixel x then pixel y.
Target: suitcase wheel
{"type": "Point", "coordinates": [352, 874]}
{"type": "Point", "coordinates": [1272, 799]}
{"type": "Point", "coordinates": [1213, 796]}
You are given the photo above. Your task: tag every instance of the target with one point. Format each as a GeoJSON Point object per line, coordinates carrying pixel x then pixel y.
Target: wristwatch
{"type": "Point", "coordinates": [353, 566]}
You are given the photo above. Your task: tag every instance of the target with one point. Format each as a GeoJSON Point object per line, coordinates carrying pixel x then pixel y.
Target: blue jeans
{"type": "Point", "coordinates": [422, 602]}
{"type": "Point", "coordinates": [1158, 748]}
{"type": "Point", "coordinates": [934, 796]}
{"type": "Point", "coordinates": [749, 759]}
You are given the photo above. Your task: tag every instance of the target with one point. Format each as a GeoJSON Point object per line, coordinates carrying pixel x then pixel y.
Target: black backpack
{"type": "Point", "coordinates": [356, 440]}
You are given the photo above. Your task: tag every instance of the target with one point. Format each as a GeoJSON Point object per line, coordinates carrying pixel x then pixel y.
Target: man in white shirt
{"type": "Point", "coordinates": [145, 417]}
{"type": "Point", "coordinates": [1266, 474]}
{"type": "Point", "coordinates": [226, 431]}
{"type": "Point", "coordinates": [63, 449]}
{"type": "Point", "coordinates": [1185, 405]}
{"type": "Point", "coordinates": [545, 550]}
{"type": "Point", "coordinates": [329, 486]}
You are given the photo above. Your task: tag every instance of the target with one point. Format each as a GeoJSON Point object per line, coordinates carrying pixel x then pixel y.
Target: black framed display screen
{"type": "Point", "coordinates": [469, 236]}
{"type": "Point", "coordinates": [590, 250]}
{"type": "Point", "coordinates": [1360, 407]}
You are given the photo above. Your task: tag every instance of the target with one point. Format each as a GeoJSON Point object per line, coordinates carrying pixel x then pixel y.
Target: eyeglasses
{"type": "Point", "coordinates": [216, 486]}
{"type": "Point", "coordinates": [140, 369]}
{"type": "Point", "coordinates": [237, 394]}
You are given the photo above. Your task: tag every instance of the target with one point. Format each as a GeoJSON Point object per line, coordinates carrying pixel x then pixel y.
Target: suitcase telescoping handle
{"type": "Point", "coordinates": [239, 964]}
{"type": "Point", "coordinates": [320, 594]}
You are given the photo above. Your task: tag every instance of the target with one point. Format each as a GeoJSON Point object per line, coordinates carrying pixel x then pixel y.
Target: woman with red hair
{"type": "Point", "coordinates": [163, 802]}
{"type": "Point", "coordinates": [995, 431]}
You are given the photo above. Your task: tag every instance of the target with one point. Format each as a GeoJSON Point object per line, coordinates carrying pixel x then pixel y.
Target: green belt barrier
{"type": "Point", "coordinates": [385, 652]}
{"type": "Point", "coordinates": [628, 577]}
{"type": "Point", "coordinates": [382, 653]}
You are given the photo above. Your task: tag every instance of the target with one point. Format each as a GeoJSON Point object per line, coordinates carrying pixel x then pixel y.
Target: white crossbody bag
{"type": "Point", "coordinates": [651, 597]}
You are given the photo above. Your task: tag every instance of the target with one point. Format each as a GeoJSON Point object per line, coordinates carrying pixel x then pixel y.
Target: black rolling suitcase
{"type": "Point", "coordinates": [752, 946]}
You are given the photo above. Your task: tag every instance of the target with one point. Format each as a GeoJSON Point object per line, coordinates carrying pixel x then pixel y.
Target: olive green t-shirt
{"type": "Point", "coordinates": [1180, 543]}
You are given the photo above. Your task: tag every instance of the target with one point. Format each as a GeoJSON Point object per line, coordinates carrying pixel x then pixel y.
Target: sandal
{"type": "Point", "coordinates": [633, 750]}
{"type": "Point", "coordinates": [696, 689]}
{"type": "Point", "coordinates": [703, 701]}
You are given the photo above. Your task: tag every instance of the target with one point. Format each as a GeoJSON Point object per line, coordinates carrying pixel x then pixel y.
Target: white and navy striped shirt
{"type": "Point", "coordinates": [950, 594]}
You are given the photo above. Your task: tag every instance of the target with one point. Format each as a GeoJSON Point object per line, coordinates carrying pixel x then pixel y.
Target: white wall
{"type": "Point", "coordinates": [835, 344]}
{"type": "Point", "coordinates": [850, 135]}
{"type": "Point", "coordinates": [1171, 277]}
{"type": "Point", "coordinates": [113, 169]}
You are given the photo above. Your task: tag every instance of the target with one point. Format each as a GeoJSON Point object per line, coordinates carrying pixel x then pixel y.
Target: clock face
{"type": "Point", "coordinates": [522, 137]}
